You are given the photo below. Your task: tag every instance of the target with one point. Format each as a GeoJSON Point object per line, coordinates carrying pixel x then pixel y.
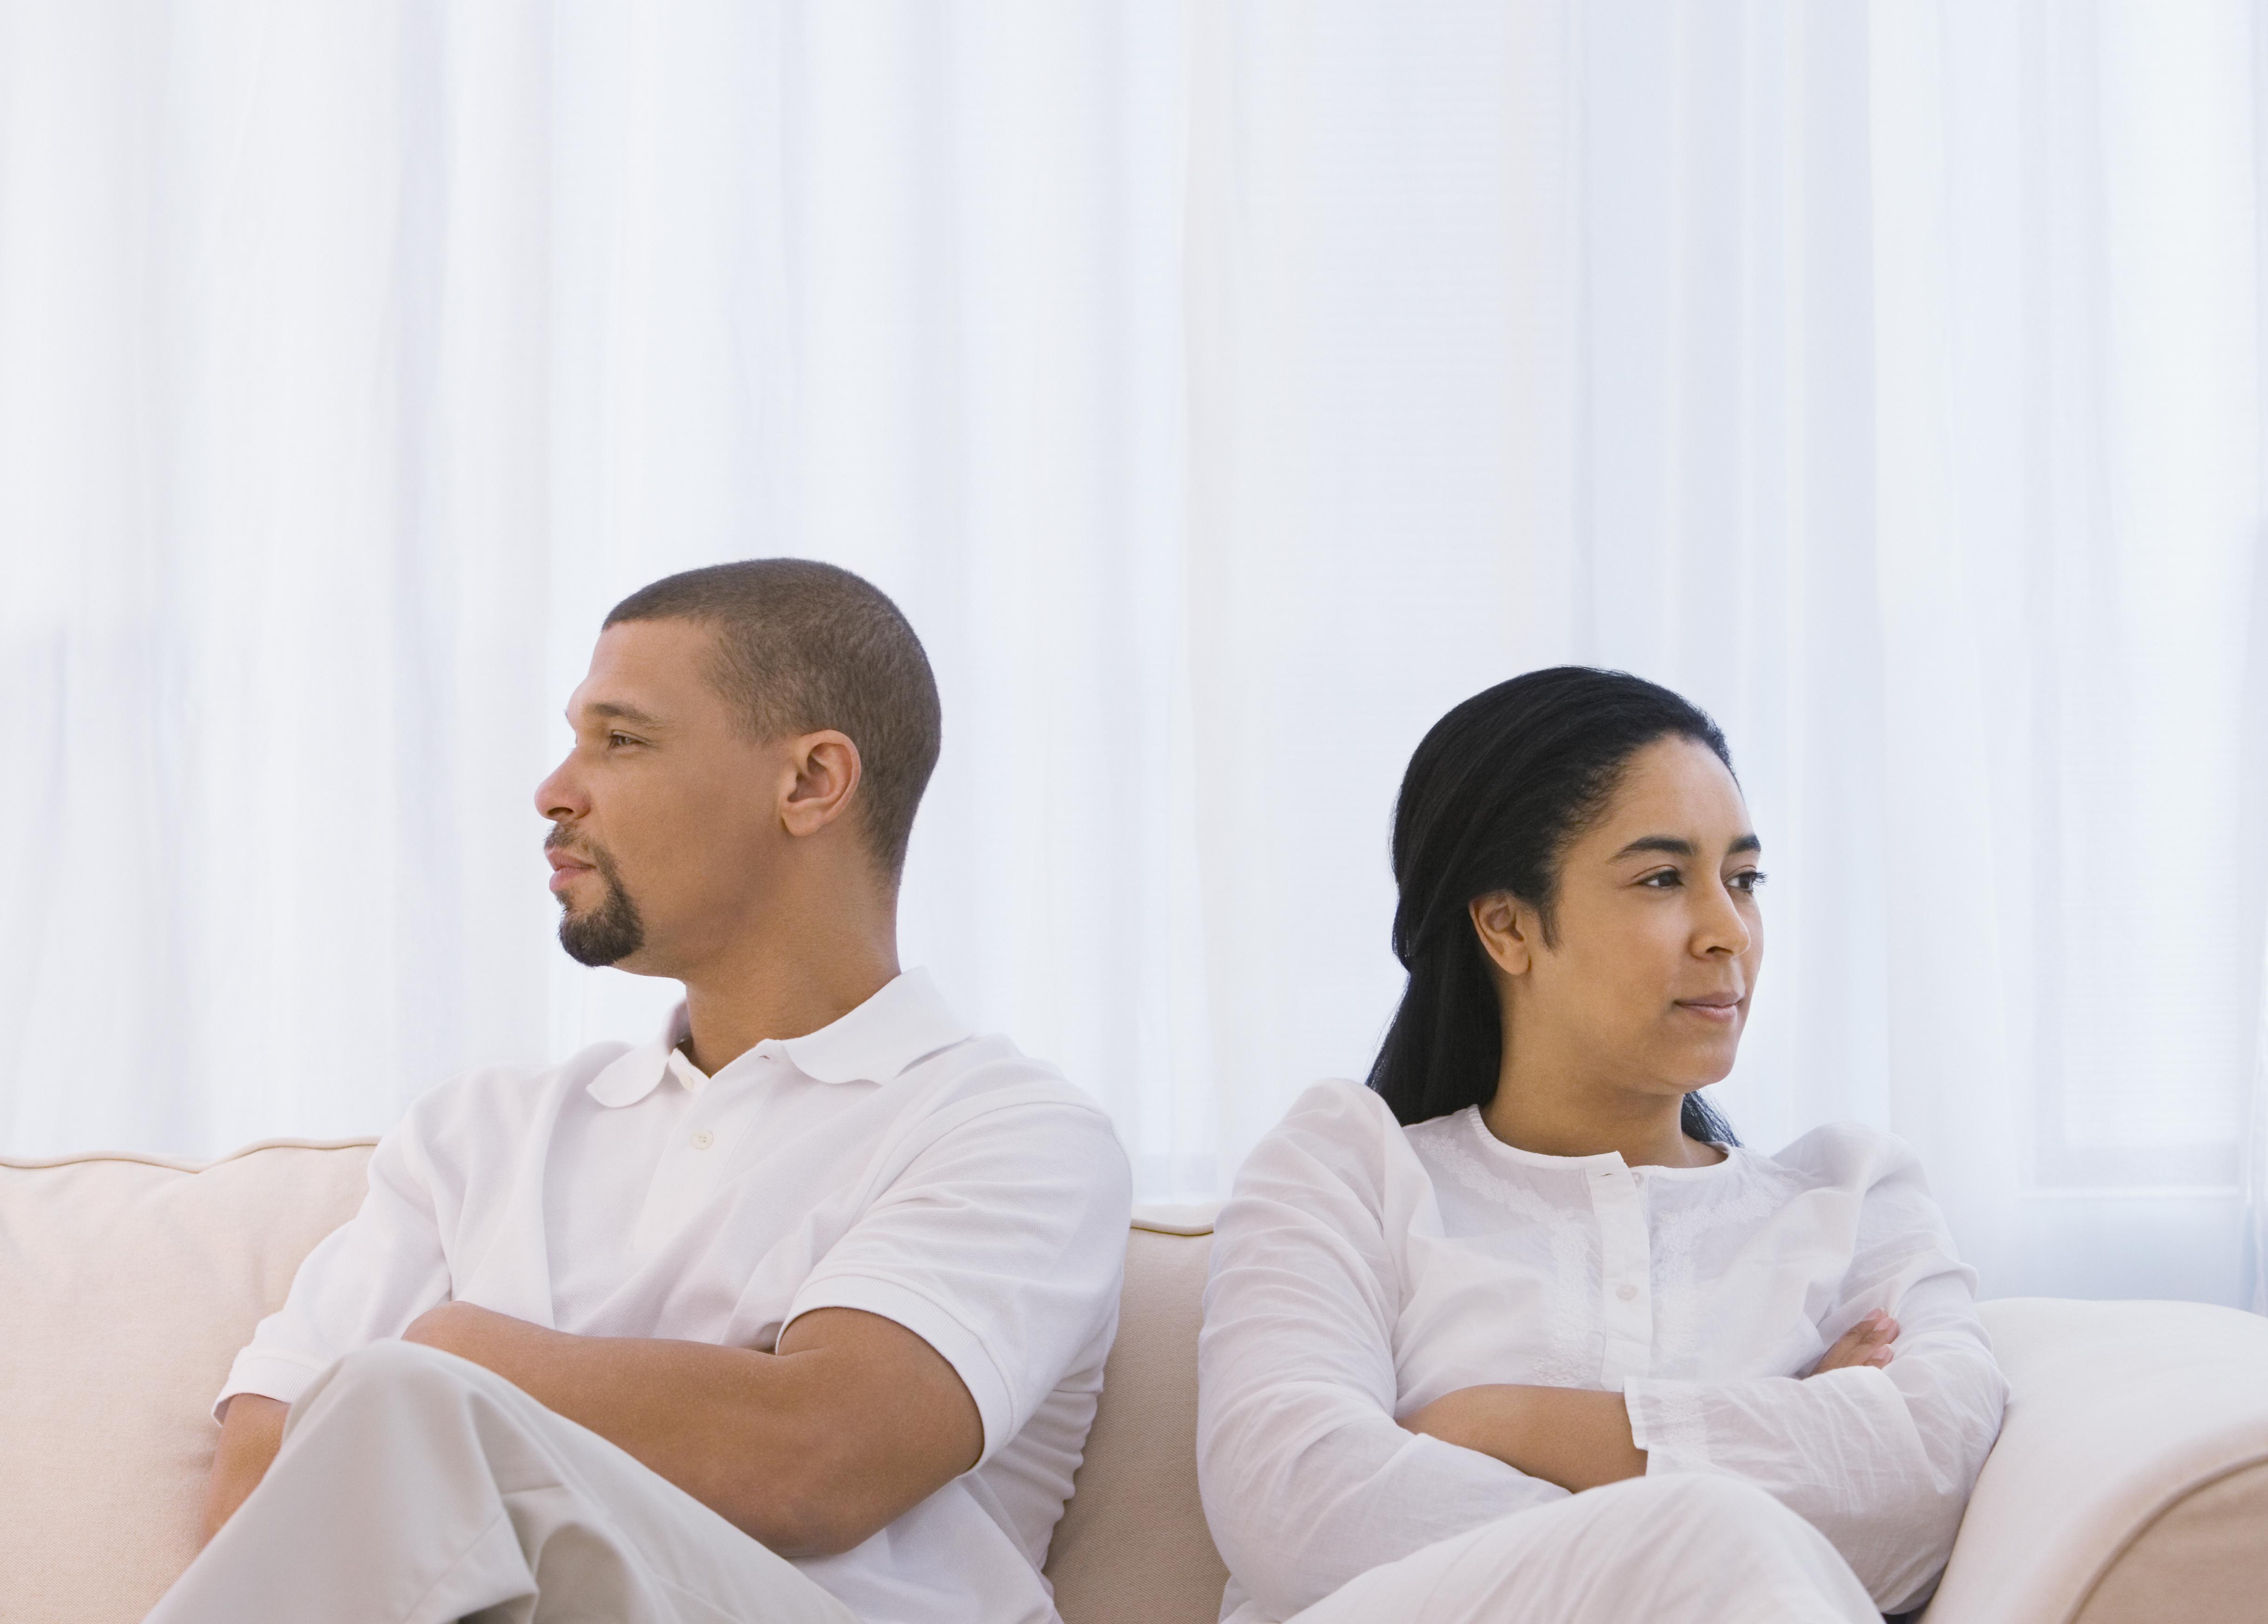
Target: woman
{"type": "Point", "coordinates": [1520, 1333]}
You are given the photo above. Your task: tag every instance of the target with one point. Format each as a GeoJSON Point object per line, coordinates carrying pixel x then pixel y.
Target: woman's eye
{"type": "Point", "coordinates": [1747, 881]}
{"type": "Point", "coordinates": [1666, 879]}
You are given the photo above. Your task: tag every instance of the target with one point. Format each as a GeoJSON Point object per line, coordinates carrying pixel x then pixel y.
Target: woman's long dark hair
{"type": "Point", "coordinates": [1496, 790]}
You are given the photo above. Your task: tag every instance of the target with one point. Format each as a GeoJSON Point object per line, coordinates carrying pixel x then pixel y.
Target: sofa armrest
{"type": "Point", "coordinates": [2131, 1470]}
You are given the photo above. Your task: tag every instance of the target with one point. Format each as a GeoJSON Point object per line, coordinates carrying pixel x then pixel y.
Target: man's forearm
{"type": "Point", "coordinates": [1572, 1436]}
{"type": "Point", "coordinates": [250, 1434]}
{"type": "Point", "coordinates": [757, 1437]}
{"type": "Point", "coordinates": [670, 1405]}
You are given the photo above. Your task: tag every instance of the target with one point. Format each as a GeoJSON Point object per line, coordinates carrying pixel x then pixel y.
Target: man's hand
{"type": "Point", "coordinates": [1866, 1344]}
{"type": "Point", "coordinates": [250, 1432]}
{"type": "Point", "coordinates": [1572, 1436]}
{"type": "Point", "coordinates": [252, 1427]}
{"type": "Point", "coordinates": [813, 1449]}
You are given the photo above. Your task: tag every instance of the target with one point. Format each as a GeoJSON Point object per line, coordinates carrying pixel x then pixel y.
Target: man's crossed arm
{"type": "Point", "coordinates": [812, 1448]}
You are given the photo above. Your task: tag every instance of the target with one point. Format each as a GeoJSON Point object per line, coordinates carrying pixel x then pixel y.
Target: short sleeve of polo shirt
{"type": "Point", "coordinates": [368, 1279]}
{"type": "Point", "coordinates": [1001, 1244]}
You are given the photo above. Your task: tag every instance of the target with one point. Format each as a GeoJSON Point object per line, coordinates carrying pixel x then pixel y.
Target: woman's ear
{"type": "Point", "coordinates": [1507, 929]}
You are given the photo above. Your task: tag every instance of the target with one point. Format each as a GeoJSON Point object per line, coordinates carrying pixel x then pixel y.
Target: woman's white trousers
{"type": "Point", "coordinates": [1677, 1549]}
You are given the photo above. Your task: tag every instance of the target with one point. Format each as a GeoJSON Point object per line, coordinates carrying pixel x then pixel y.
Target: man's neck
{"type": "Point", "coordinates": [781, 988]}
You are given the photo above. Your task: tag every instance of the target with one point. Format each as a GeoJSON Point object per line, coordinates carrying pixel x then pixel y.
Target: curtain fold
{"type": "Point", "coordinates": [1225, 391]}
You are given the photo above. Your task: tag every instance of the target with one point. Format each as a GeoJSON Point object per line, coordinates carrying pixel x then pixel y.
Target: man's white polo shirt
{"type": "Point", "coordinates": [890, 1162]}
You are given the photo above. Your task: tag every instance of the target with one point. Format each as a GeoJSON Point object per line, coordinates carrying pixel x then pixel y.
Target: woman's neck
{"type": "Point", "coordinates": [1546, 1117]}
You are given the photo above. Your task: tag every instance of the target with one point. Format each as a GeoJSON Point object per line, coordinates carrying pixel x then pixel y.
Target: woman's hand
{"type": "Point", "coordinates": [1867, 1344]}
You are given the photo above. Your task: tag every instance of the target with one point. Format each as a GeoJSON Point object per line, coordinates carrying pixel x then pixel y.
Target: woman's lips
{"type": "Point", "coordinates": [1723, 1014]}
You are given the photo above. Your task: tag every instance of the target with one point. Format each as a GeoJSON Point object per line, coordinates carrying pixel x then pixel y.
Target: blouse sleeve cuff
{"type": "Point", "coordinates": [1668, 1422]}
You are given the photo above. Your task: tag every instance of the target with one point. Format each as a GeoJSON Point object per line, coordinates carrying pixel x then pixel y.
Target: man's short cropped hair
{"type": "Point", "coordinates": [803, 646]}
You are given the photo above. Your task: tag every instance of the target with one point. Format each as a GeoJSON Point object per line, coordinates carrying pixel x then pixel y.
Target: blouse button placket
{"type": "Point", "coordinates": [1626, 1267]}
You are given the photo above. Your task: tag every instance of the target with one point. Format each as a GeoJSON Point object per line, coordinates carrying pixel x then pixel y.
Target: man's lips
{"type": "Point", "coordinates": [563, 869]}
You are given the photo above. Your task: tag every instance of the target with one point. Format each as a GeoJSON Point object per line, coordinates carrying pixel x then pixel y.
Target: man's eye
{"type": "Point", "coordinates": [620, 739]}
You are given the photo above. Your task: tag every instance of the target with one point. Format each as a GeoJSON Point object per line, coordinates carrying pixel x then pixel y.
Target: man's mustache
{"type": "Point", "coordinates": [598, 857]}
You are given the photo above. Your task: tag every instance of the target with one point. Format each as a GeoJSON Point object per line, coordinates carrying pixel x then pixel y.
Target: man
{"type": "Point", "coordinates": [798, 1312]}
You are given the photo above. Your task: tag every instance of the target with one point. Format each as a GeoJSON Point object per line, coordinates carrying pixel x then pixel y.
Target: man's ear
{"type": "Point", "coordinates": [824, 770]}
{"type": "Point", "coordinates": [1509, 930]}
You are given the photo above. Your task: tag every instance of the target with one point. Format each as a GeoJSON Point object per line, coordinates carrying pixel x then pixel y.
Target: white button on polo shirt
{"type": "Point", "coordinates": [889, 1162]}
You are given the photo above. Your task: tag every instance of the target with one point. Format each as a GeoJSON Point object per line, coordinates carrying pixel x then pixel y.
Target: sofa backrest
{"type": "Point", "coordinates": [128, 1284]}
{"type": "Point", "coordinates": [1132, 1548]}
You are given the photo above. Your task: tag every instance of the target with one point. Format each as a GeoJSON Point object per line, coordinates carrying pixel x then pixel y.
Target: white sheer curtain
{"type": "Point", "coordinates": [1225, 390]}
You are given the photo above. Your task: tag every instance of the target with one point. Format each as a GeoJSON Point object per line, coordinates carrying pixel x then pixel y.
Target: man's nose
{"type": "Point", "coordinates": [559, 797]}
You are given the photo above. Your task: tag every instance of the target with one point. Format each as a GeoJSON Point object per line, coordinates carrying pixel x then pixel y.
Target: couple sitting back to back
{"type": "Point", "coordinates": [799, 1311]}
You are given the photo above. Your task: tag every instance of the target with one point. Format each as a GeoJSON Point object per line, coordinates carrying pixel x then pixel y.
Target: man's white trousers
{"type": "Point", "coordinates": [416, 1488]}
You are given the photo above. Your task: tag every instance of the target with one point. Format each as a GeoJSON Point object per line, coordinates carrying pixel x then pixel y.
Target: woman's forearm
{"type": "Point", "coordinates": [1569, 1436]}
{"type": "Point", "coordinates": [1579, 1437]}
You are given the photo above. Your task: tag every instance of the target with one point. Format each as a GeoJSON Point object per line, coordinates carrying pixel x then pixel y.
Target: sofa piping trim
{"type": "Point", "coordinates": [180, 1163]}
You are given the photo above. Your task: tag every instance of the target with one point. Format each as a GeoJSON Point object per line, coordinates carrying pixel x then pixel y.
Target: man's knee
{"type": "Point", "coordinates": [390, 1372]}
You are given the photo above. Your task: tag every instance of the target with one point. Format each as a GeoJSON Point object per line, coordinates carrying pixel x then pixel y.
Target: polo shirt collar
{"type": "Point", "coordinates": [907, 1021]}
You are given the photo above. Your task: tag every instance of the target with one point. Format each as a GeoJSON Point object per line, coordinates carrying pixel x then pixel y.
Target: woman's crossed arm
{"type": "Point", "coordinates": [1577, 1438]}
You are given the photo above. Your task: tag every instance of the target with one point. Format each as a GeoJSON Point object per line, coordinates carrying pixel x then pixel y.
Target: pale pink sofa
{"type": "Point", "coordinates": [2131, 1482]}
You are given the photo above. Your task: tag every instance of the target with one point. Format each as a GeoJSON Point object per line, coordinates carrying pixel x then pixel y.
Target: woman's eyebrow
{"type": "Point", "coordinates": [1676, 848]}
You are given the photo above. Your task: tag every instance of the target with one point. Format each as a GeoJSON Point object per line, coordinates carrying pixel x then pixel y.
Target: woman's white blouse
{"type": "Point", "coordinates": [1363, 1270]}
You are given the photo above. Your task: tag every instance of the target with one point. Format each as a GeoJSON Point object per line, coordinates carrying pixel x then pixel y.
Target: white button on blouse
{"type": "Point", "coordinates": [1363, 1270]}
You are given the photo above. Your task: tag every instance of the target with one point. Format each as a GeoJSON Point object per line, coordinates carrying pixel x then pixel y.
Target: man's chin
{"type": "Point", "coordinates": [602, 942]}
